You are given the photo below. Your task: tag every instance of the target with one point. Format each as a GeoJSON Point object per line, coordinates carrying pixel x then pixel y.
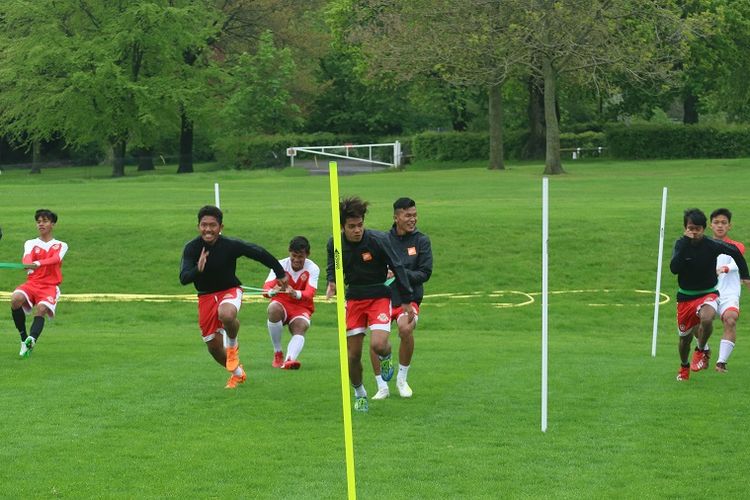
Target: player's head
{"type": "Point", "coordinates": [694, 216]}
{"type": "Point", "coordinates": [45, 222]}
{"type": "Point", "coordinates": [299, 249]}
{"type": "Point", "coordinates": [210, 223]}
{"type": "Point", "coordinates": [405, 215]}
{"type": "Point", "coordinates": [721, 222]}
{"type": "Point", "coordinates": [44, 213]}
{"type": "Point", "coordinates": [352, 213]}
{"type": "Point", "coordinates": [694, 221]}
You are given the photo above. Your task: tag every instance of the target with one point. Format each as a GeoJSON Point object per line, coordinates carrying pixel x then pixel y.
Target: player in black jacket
{"type": "Point", "coordinates": [209, 262]}
{"type": "Point", "coordinates": [694, 263]}
{"type": "Point", "coordinates": [366, 257]}
{"type": "Point", "coordinates": [416, 251]}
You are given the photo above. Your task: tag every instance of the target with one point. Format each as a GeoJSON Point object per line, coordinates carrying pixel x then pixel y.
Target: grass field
{"type": "Point", "coordinates": [121, 399]}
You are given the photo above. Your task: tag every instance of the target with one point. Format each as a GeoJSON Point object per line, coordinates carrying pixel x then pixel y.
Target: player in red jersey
{"type": "Point", "coordinates": [42, 257]}
{"type": "Point", "coordinates": [209, 261]}
{"type": "Point", "coordinates": [294, 306]}
{"type": "Point", "coordinates": [729, 286]}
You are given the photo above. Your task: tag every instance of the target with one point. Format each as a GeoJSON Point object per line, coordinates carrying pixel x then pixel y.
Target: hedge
{"type": "Point", "coordinates": [678, 141]}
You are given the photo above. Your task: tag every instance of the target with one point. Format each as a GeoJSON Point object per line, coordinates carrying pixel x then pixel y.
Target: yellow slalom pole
{"type": "Point", "coordinates": [346, 400]}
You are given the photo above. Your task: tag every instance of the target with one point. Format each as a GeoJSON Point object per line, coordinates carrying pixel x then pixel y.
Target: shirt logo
{"type": "Point", "coordinates": [366, 256]}
{"type": "Point", "coordinates": [411, 251]}
{"type": "Point", "coordinates": [303, 277]}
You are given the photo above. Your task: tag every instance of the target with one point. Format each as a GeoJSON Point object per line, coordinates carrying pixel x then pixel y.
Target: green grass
{"type": "Point", "coordinates": [122, 399]}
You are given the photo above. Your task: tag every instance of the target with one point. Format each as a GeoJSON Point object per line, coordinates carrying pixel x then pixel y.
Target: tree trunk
{"type": "Point", "coordinates": [534, 147]}
{"type": "Point", "coordinates": [497, 161]}
{"type": "Point", "coordinates": [36, 158]}
{"type": "Point", "coordinates": [690, 108]}
{"type": "Point", "coordinates": [118, 158]}
{"type": "Point", "coordinates": [552, 163]}
{"type": "Point", "coordinates": [145, 159]}
{"type": "Point", "coordinates": [186, 145]}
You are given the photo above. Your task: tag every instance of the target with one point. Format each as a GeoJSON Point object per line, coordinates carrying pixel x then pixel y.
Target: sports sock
{"type": "Point", "coordinates": [231, 342]}
{"type": "Point", "coordinates": [238, 371]}
{"type": "Point", "coordinates": [19, 318]}
{"type": "Point", "coordinates": [295, 346]}
{"type": "Point", "coordinates": [382, 384]}
{"type": "Point", "coordinates": [360, 391]}
{"type": "Point", "coordinates": [725, 350]}
{"type": "Point", "coordinates": [36, 327]}
{"type": "Point", "coordinates": [275, 330]}
{"type": "Point", "coordinates": [403, 371]}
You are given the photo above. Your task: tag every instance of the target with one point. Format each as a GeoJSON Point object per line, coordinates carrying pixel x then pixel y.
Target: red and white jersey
{"type": "Point", "coordinates": [729, 282]}
{"type": "Point", "coordinates": [305, 280]}
{"type": "Point", "coordinates": [49, 256]}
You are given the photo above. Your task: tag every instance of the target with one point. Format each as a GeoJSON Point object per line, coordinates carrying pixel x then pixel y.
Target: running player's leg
{"type": "Point", "coordinates": [17, 302]}
{"type": "Point", "coordinates": [706, 315]}
{"type": "Point", "coordinates": [229, 306]}
{"type": "Point", "coordinates": [405, 353]}
{"type": "Point", "coordinates": [728, 339]}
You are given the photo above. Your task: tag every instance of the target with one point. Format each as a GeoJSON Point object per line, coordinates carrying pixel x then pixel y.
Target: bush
{"type": "Point", "coordinates": [678, 141]}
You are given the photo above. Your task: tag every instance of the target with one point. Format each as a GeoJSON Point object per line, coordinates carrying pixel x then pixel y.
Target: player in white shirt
{"type": "Point", "coordinates": [42, 257]}
{"type": "Point", "coordinates": [292, 304]}
{"type": "Point", "coordinates": [728, 286]}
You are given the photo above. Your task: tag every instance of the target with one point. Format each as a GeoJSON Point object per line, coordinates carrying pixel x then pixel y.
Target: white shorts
{"type": "Point", "coordinates": [727, 303]}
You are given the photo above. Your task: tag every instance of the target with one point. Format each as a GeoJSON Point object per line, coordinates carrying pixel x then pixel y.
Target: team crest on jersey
{"type": "Point", "coordinates": [303, 277]}
{"type": "Point", "coordinates": [382, 317]}
{"type": "Point", "coordinates": [366, 256]}
{"type": "Point", "coordinates": [411, 250]}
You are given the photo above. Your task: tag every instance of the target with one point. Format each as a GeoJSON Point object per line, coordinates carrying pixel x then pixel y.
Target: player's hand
{"type": "Point", "coordinates": [409, 310]}
{"type": "Point", "coordinates": [202, 260]}
{"type": "Point", "coordinates": [330, 289]}
{"type": "Point", "coordinates": [688, 233]}
{"type": "Point", "coordinates": [389, 275]}
{"type": "Point", "coordinates": [282, 283]}
{"type": "Point", "coordinates": [32, 265]}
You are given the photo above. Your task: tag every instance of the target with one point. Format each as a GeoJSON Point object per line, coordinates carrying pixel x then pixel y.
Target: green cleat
{"type": "Point", "coordinates": [360, 404]}
{"type": "Point", "coordinates": [386, 368]}
{"type": "Point", "coordinates": [27, 346]}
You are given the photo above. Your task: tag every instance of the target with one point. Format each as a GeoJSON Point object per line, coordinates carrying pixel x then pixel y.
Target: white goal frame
{"type": "Point", "coordinates": [323, 150]}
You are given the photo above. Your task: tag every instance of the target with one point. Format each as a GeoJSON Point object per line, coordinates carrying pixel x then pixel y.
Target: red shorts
{"type": "Point", "coordinates": [36, 294]}
{"type": "Point", "coordinates": [687, 312]}
{"type": "Point", "coordinates": [395, 313]}
{"type": "Point", "coordinates": [293, 311]}
{"type": "Point", "coordinates": [208, 310]}
{"type": "Point", "coordinates": [361, 313]}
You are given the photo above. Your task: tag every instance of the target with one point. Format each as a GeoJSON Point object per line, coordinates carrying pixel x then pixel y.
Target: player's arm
{"type": "Point", "coordinates": [677, 264]}
{"type": "Point", "coordinates": [397, 266]}
{"type": "Point", "coordinates": [311, 285]}
{"type": "Point", "coordinates": [424, 263]}
{"type": "Point", "coordinates": [260, 254]}
{"type": "Point", "coordinates": [188, 265]}
{"type": "Point", "coordinates": [330, 270]}
{"type": "Point", "coordinates": [721, 247]}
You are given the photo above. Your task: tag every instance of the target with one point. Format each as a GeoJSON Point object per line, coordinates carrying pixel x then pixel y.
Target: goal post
{"type": "Point", "coordinates": [352, 152]}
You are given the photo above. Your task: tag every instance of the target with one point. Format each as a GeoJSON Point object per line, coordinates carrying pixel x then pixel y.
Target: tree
{"type": "Point", "coordinates": [96, 71]}
{"type": "Point", "coordinates": [467, 43]}
{"type": "Point", "coordinates": [587, 38]}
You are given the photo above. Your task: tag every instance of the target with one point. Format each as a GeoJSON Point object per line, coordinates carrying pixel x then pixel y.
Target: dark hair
{"type": "Point", "coordinates": [694, 215]}
{"type": "Point", "coordinates": [722, 211]}
{"type": "Point", "coordinates": [211, 211]}
{"type": "Point", "coordinates": [299, 244]}
{"type": "Point", "coordinates": [47, 214]}
{"type": "Point", "coordinates": [403, 204]}
{"type": "Point", "coordinates": [352, 207]}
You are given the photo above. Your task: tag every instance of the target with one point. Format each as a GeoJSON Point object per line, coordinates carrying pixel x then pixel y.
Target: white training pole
{"type": "Point", "coordinates": [545, 265]}
{"type": "Point", "coordinates": [216, 194]}
{"type": "Point", "coordinates": [658, 269]}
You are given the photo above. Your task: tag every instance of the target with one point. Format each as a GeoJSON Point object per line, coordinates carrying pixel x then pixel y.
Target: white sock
{"type": "Point", "coordinates": [402, 372]}
{"type": "Point", "coordinates": [360, 391]}
{"type": "Point", "coordinates": [725, 350]}
{"type": "Point", "coordinates": [382, 384]}
{"type": "Point", "coordinates": [275, 330]}
{"type": "Point", "coordinates": [238, 371]}
{"type": "Point", "coordinates": [295, 346]}
{"type": "Point", "coordinates": [231, 342]}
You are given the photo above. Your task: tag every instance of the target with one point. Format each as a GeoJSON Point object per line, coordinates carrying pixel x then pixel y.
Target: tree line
{"type": "Point", "coordinates": [149, 76]}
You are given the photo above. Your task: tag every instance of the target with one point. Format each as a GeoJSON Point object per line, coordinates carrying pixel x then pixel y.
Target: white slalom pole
{"type": "Point", "coordinates": [658, 269]}
{"type": "Point", "coordinates": [545, 265]}
{"type": "Point", "coordinates": [216, 195]}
